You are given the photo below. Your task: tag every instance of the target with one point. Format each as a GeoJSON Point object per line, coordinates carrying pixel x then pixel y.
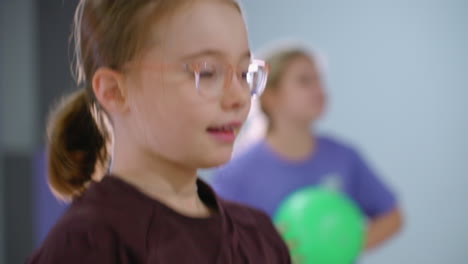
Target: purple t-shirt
{"type": "Point", "coordinates": [261, 178]}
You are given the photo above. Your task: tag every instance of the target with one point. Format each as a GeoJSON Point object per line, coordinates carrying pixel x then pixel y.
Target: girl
{"type": "Point", "coordinates": [167, 85]}
{"type": "Point", "coordinates": [291, 156]}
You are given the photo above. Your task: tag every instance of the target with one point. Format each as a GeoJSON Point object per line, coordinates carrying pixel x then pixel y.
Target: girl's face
{"type": "Point", "coordinates": [300, 96]}
{"type": "Point", "coordinates": [168, 117]}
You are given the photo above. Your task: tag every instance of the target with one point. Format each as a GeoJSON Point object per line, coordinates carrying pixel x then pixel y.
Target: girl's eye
{"type": "Point", "coordinates": [206, 74]}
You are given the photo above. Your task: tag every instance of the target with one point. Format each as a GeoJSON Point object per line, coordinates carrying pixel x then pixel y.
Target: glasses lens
{"type": "Point", "coordinates": [210, 79]}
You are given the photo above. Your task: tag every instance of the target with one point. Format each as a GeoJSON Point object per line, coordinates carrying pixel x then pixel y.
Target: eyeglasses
{"type": "Point", "coordinates": [212, 78]}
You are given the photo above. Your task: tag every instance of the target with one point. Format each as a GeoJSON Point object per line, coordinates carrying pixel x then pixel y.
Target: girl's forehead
{"type": "Point", "coordinates": [202, 27]}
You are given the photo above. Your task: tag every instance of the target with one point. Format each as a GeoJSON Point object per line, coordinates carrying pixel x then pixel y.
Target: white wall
{"type": "Point", "coordinates": [18, 97]}
{"type": "Point", "coordinates": [19, 81]}
{"type": "Point", "coordinates": [398, 82]}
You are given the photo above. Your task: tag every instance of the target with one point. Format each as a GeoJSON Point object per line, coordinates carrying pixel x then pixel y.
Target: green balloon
{"type": "Point", "coordinates": [321, 227]}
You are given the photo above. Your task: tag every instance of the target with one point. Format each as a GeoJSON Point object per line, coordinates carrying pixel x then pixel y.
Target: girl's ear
{"type": "Point", "coordinates": [108, 88]}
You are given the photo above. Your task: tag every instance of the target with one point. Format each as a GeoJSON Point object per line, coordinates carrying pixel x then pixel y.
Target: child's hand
{"type": "Point", "coordinates": [292, 244]}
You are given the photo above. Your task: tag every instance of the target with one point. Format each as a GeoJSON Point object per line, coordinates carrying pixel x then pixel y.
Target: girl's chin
{"type": "Point", "coordinates": [216, 158]}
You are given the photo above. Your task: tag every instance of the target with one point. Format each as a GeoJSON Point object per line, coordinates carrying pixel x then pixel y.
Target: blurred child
{"type": "Point", "coordinates": [291, 156]}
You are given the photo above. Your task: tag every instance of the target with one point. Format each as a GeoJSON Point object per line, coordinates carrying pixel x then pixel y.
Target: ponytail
{"type": "Point", "coordinates": [76, 146]}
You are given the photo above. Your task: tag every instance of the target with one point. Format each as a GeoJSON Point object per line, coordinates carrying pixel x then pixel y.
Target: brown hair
{"type": "Point", "coordinates": [279, 62]}
{"type": "Point", "coordinates": [107, 33]}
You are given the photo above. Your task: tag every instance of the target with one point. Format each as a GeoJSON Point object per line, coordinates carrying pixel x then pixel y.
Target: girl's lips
{"type": "Point", "coordinates": [225, 133]}
{"type": "Point", "coordinates": [223, 136]}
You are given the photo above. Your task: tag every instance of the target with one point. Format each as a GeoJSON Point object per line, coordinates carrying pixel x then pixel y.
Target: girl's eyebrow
{"type": "Point", "coordinates": [212, 53]}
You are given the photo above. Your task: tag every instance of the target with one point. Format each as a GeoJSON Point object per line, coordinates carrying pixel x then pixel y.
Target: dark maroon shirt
{"type": "Point", "coordinates": [113, 222]}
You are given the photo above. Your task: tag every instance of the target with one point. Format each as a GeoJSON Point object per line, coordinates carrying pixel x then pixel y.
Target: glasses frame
{"type": "Point", "coordinates": [195, 69]}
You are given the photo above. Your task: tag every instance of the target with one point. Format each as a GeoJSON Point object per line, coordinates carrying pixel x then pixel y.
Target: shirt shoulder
{"type": "Point", "coordinates": [251, 217]}
{"type": "Point", "coordinates": [97, 224]}
{"type": "Point", "coordinates": [335, 144]}
{"type": "Point", "coordinates": [77, 238]}
{"type": "Point", "coordinates": [259, 223]}
{"type": "Point", "coordinates": [338, 150]}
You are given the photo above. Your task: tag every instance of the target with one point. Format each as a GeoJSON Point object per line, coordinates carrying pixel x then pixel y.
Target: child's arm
{"type": "Point", "coordinates": [383, 228]}
{"type": "Point", "coordinates": [378, 203]}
